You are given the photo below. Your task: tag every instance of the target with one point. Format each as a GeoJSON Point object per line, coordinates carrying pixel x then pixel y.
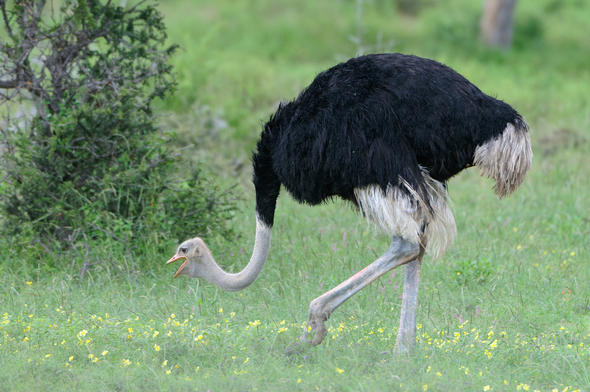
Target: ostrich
{"type": "Point", "coordinates": [385, 132]}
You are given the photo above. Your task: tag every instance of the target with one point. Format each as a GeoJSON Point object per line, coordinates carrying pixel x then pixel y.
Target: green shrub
{"type": "Point", "coordinates": [91, 163]}
{"type": "Point", "coordinates": [472, 271]}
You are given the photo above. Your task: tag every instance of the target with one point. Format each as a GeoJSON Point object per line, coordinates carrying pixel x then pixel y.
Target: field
{"type": "Point", "coordinates": [507, 308]}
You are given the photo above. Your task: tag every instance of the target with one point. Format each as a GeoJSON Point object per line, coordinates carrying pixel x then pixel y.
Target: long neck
{"type": "Point", "coordinates": [242, 279]}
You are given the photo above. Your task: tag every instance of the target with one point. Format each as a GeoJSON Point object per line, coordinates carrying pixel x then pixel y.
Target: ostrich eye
{"type": "Point", "coordinates": [183, 250]}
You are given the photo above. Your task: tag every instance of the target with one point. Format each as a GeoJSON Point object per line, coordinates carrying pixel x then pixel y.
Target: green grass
{"type": "Point", "coordinates": [508, 306]}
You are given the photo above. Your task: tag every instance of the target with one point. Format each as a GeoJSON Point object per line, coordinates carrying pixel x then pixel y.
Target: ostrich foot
{"type": "Point", "coordinates": [404, 347]}
{"type": "Point", "coordinates": [316, 327]}
{"type": "Point", "coordinates": [313, 334]}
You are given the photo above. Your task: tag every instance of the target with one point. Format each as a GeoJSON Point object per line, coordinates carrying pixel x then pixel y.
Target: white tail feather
{"type": "Point", "coordinates": [506, 158]}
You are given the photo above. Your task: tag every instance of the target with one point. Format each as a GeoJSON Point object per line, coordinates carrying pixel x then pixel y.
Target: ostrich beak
{"type": "Point", "coordinates": [175, 258]}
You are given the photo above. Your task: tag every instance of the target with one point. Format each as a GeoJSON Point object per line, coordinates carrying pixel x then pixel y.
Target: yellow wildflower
{"type": "Point", "coordinates": [340, 371]}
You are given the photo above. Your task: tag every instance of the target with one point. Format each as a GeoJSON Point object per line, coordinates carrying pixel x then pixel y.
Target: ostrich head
{"type": "Point", "coordinates": [196, 258]}
{"type": "Point", "coordinates": [199, 261]}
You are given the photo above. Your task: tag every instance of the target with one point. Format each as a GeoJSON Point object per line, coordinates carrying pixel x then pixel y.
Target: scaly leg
{"type": "Point", "coordinates": [406, 335]}
{"type": "Point", "coordinates": [400, 252]}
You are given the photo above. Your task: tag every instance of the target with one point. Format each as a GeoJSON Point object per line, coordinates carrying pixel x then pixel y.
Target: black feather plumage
{"type": "Point", "coordinates": [373, 120]}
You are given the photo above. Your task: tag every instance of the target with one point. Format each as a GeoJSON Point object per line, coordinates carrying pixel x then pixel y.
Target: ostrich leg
{"type": "Point", "coordinates": [406, 335]}
{"type": "Point", "coordinates": [400, 252]}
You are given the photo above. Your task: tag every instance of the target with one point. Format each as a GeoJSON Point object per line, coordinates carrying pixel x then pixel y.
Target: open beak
{"type": "Point", "coordinates": [175, 258]}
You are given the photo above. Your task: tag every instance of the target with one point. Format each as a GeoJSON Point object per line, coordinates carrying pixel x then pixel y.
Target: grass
{"type": "Point", "coordinates": [506, 309]}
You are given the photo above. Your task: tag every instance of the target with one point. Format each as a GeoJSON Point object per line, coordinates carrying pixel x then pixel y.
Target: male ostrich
{"type": "Point", "coordinates": [385, 132]}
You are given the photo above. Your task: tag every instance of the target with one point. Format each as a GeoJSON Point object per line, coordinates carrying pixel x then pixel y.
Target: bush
{"type": "Point", "coordinates": [92, 163]}
{"type": "Point", "coordinates": [472, 271]}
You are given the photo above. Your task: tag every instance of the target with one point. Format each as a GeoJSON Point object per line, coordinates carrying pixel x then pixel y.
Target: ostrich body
{"type": "Point", "coordinates": [384, 132]}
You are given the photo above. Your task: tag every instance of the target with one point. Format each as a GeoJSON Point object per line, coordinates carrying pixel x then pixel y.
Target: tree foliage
{"type": "Point", "coordinates": [91, 159]}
